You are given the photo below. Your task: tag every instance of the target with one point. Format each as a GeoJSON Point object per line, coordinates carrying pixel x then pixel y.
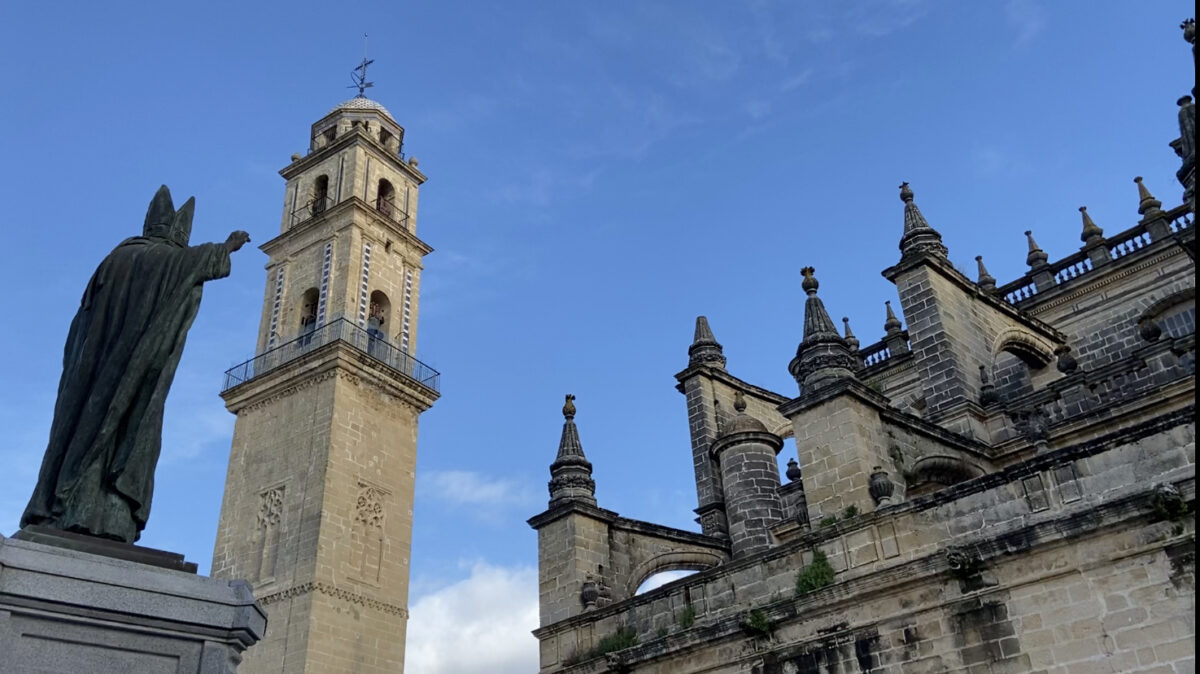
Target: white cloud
{"type": "Point", "coordinates": [480, 624]}
{"type": "Point", "coordinates": [1027, 18]}
{"type": "Point", "coordinates": [463, 487]}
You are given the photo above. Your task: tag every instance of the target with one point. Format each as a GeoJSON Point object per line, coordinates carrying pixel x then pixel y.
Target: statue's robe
{"type": "Point", "coordinates": [97, 476]}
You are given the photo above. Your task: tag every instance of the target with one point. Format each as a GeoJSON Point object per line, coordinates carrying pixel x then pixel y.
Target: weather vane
{"type": "Point", "coordinates": [359, 74]}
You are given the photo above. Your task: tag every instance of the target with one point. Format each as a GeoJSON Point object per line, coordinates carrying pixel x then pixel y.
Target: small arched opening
{"type": "Point", "coordinates": [385, 197]}
{"type": "Point", "coordinates": [934, 472]}
{"type": "Point", "coordinates": [378, 312]}
{"type": "Point", "coordinates": [662, 578]}
{"type": "Point", "coordinates": [1019, 365]}
{"type": "Point", "coordinates": [320, 194]}
{"type": "Point", "coordinates": [668, 567]}
{"type": "Point", "coordinates": [385, 138]}
{"type": "Point", "coordinates": [308, 314]}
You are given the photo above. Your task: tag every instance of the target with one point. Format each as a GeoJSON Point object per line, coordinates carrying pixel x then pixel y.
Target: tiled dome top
{"type": "Point", "coordinates": [361, 103]}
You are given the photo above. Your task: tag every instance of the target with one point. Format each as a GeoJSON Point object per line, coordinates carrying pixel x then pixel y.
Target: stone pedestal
{"type": "Point", "coordinates": [64, 610]}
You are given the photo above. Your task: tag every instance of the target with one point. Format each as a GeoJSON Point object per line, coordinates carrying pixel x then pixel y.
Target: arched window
{"type": "Point", "coordinates": [377, 314]}
{"type": "Point", "coordinates": [308, 314]}
{"type": "Point", "coordinates": [385, 198]}
{"type": "Point", "coordinates": [320, 194]}
{"type": "Point", "coordinates": [385, 138]}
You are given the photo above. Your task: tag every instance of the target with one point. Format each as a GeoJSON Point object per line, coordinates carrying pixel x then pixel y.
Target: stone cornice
{"type": "Point", "coordinates": [572, 508]}
{"type": "Point", "coordinates": [355, 136]}
{"type": "Point", "coordinates": [867, 396]}
{"type": "Point", "coordinates": [721, 375]}
{"type": "Point", "coordinates": [331, 590]}
{"type": "Point", "coordinates": [842, 595]}
{"type": "Point", "coordinates": [851, 387]}
{"type": "Point", "coordinates": [1071, 525]}
{"type": "Point", "coordinates": [726, 441]}
{"type": "Point", "coordinates": [353, 202]}
{"type": "Point", "coordinates": [670, 533]}
{"type": "Point", "coordinates": [947, 271]}
{"type": "Point", "coordinates": [334, 359]}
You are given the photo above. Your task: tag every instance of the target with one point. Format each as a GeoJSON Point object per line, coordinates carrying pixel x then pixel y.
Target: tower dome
{"type": "Point", "coordinates": [360, 103]}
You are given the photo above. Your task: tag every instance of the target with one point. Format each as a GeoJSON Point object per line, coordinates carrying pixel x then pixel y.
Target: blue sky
{"type": "Point", "coordinates": [599, 175]}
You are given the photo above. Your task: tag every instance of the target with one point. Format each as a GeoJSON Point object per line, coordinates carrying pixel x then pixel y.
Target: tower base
{"type": "Point", "coordinates": [64, 610]}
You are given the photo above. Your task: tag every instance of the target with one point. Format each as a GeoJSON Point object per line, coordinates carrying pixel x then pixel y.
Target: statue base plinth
{"type": "Point", "coordinates": [71, 611]}
{"type": "Point", "coordinates": [70, 540]}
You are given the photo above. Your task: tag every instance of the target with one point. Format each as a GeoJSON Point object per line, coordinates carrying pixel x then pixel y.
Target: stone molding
{"type": "Point", "coordinates": [331, 590]}
{"type": "Point", "coordinates": [326, 362]}
{"type": "Point", "coordinates": [947, 270]}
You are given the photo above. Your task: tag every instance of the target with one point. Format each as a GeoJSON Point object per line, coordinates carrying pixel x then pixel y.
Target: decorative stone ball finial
{"type": "Point", "coordinates": [906, 193]}
{"type": "Point", "coordinates": [810, 283]}
{"type": "Point", "coordinates": [414, 162]}
{"type": "Point", "coordinates": [569, 407]}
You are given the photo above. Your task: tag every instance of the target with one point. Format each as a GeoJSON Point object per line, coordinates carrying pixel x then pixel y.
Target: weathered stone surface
{"type": "Point", "coordinates": [67, 611]}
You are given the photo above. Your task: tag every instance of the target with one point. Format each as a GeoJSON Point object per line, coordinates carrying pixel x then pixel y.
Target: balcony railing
{"type": "Point", "coordinates": [1078, 264]}
{"type": "Point", "coordinates": [315, 206]}
{"type": "Point", "coordinates": [340, 330]}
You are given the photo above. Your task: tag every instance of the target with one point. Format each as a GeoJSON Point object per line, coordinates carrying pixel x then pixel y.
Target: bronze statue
{"type": "Point", "coordinates": [97, 476]}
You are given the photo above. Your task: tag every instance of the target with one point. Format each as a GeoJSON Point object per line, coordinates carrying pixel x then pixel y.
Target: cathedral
{"type": "Point", "coordinates": [1004, 481]}
{"type": "Point", "coordinates": [318, 504]}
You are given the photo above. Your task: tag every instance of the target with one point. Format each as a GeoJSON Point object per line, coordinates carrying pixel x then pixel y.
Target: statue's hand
{"type": "Point", "coordinates": [236, 240]}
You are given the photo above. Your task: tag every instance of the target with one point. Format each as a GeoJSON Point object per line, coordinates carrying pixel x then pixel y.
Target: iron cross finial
{"type": "Point", "coordinates": [359, 74]}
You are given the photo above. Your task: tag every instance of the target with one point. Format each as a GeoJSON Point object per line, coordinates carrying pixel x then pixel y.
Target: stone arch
{"type": "Point", "coordinates": [319, 200]}
{"type": "Point", "coordinates": [385, 197]}
{"type": "Point", "coordinates": [784, 431]}
{"type": "Point", "coordinates": [1173, 315]}
{"type": "Point", "coordinates": [697, 560]}
{"type": "Point", "coordinates": [942, 469]}
{"type": "Point", "coordinates": [1033, 350]}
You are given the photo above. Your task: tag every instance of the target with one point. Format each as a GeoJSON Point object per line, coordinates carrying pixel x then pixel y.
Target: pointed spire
{"type": "Point", "coordinates": [986, 282]}
{"type": "Point", "coordinates": [851, 340]}
{"type": "Point", "coordinates": [918, 237]}
{"type": "Point", "coordinates": [892, 324]}
{"type": "Point", "coordinates": [1037, 257]}
{"type": "Point", "coordinates": [1148, 206]}
{"type": "Point", "coordinates": [571, 472]}
{"type": "Point", "coordinates": [822, 354]}
{"type": "Point", "coordinates": [1091, 232]}
{"type": "Point", "coordinates": [705, 350]}
{"type": "Point", "coordinates": [816, 319]}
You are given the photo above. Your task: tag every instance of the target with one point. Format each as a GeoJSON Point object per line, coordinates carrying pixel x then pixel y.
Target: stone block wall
{"type": "Point", "coordinates": [709, 394]}
{"type": "Point", "coordinates": [1071, 566]}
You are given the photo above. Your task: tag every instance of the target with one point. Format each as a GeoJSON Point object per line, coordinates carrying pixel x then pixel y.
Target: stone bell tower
{"type": "Point", "coordinates": [318, 500]}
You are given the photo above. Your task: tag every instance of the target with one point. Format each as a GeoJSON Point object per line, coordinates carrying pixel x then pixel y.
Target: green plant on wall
{"type": "Point", "coordinates": [757, 623]}
{"type": "Point", "coordinates": [624, 637]}
{"type": "Point", "coordinates": [850, 513]}
{"type": "Point", "coordinates": [687, 617]}
{"type": "Point", "coordinates": [815, 575]}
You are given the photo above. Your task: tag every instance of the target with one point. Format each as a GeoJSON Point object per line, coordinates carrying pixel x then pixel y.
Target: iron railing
{"type": "Point", "coordinates": [315, 206]}
{"type": "Point", "coordinates": [339, 330]}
